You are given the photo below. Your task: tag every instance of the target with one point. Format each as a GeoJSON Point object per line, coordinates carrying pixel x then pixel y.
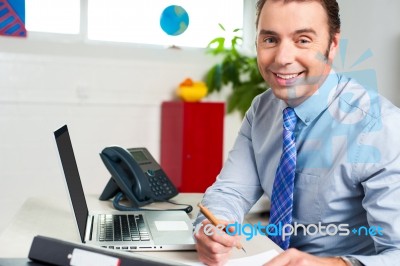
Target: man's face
{"type": "Point", "coordinates": [293, 49]}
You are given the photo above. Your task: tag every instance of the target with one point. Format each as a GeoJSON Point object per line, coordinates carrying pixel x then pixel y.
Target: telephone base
{"type": "Point", "coordinates": [110, 190]}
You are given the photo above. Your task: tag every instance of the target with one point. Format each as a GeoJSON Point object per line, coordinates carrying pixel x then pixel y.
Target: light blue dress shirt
{"type": "Point", "coordinates": [348, 169]}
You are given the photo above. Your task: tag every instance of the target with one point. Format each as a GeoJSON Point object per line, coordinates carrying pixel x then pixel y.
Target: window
{"type": "Point", "coordinates": [56, 16]}
{"type": "Point", "coordinates": [134, 21]}
{"type": "Point", "coordinates": [139, 21]}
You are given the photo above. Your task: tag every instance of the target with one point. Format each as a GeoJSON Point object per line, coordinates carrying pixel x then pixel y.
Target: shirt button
{"type": "Point", "coordinates": [307, 119]}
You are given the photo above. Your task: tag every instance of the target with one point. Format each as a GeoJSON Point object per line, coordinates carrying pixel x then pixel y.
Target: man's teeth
{"type": "Point", "coordinates": [287, 76]}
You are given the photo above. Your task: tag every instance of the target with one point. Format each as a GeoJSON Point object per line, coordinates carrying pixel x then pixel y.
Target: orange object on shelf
{"type": "Point", "coordinates": [191, 91]}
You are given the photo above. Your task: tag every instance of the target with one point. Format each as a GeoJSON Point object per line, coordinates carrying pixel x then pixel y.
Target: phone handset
{"type": "Point", "coordinates": [127, 176]}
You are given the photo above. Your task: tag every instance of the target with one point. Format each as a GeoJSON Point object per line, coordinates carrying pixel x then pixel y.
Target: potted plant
{"type": "Point", "coordinates": [237, 70]}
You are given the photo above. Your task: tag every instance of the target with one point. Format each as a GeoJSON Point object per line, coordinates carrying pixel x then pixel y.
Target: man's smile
{"type": "Point", "coordinates": [287, 79]}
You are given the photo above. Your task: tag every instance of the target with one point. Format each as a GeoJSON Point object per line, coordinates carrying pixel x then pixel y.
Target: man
{"type": "Point", "coordinates": [342, 149]}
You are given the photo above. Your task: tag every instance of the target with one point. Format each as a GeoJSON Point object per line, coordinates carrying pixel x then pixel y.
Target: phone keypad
{"type": "Point", "coordinates": [161, 186]}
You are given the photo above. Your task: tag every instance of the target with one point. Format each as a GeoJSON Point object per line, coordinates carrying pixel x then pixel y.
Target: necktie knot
{"type": "Point", "coordinates": [289, 119]}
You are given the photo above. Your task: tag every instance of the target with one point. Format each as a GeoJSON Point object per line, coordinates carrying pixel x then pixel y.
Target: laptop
{"type": "Point", "coordinates": [130, 231]}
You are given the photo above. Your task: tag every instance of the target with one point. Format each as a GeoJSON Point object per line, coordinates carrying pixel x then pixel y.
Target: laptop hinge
{"type": "Point", "coordinates": [89, 229]}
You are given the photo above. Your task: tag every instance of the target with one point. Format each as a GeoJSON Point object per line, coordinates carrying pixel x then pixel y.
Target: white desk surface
{"type": "Point", "coordinates": [53, 217]}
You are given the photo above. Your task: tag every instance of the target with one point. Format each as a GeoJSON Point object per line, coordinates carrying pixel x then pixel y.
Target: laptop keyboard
{"type": "Point", "coordinates": [128, 227]}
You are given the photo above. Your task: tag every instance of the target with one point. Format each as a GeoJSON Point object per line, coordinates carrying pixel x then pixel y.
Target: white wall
{"type": "Point", "coordinates": [106, 95]}
{"type": "Point", "coordinates": [112, 94]}
{"type": "Point", "coordinates": [374, 25]}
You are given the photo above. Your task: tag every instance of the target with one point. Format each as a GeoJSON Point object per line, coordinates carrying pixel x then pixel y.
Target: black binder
{"type": "Point", "coordinates": [59, 252]}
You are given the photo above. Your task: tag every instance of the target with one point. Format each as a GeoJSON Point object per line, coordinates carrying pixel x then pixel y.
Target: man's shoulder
{"type": "Point", "coordinates": [365, 97]}
{"type": "Point", "coordinates": [265, 98]}
{"type": "Point", "coordinates": [264, 104]}
{"type": "Point", "coordinates": [268, 94]}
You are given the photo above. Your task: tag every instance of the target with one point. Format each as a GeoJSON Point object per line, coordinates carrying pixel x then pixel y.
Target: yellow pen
{"type": "Point", "coordinates": [208, 214]}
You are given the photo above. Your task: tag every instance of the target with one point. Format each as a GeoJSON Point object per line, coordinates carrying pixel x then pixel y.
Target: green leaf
{"type": "Point", "coordinates": [237, 70]}
{"type": "Point", "coordinates": [241, 98]}
{"type": "Point", "coordinates": [220, 41]}
{"type": "Point", "coordinates": [232, 102]}
{"type": "Point", "coordinates": [229, 72]}
{"type": "Point", "coordinates": [235, 39]}
{"type": "Point", "coordinates": [213, 78]}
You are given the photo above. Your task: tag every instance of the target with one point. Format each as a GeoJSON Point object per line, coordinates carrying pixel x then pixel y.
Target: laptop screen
{"type": "Point", "coordinates": [72, 177]}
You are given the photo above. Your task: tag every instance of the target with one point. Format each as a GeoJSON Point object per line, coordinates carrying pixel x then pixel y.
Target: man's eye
{"type": "Point", "coordinates": [304, 41]}
{"type": "Point", "coordinates": [270, 40]}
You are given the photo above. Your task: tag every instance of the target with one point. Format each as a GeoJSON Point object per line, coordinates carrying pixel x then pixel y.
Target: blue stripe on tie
{"type": "Point", "coordinates": [282, 191]}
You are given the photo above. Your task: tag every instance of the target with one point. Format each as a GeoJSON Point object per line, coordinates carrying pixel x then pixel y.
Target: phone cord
{"type": "Point", "coordinates": [120, 207]}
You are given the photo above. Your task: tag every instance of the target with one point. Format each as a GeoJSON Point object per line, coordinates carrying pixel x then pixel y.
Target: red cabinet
{"type": "Point", "coordinates": [192, 143]}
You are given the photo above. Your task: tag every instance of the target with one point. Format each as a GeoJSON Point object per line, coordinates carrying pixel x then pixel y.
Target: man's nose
{"type": "Point", "coordinates": [285, 53]}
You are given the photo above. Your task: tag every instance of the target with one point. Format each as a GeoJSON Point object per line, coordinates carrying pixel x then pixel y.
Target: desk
{"type": "Point", "coordinates": [53, 217]}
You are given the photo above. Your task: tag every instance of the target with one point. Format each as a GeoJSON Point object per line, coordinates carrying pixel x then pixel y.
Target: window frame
{"type": "Point", "coordinates": [82, 35]}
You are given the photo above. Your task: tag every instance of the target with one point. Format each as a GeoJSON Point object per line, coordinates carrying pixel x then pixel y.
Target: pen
{"type": "Point", "coordinates": [208, 214]}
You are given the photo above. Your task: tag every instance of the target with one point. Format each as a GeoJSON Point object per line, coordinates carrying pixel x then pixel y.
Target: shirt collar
{"type": "Point", "coordinates": [319, 101]}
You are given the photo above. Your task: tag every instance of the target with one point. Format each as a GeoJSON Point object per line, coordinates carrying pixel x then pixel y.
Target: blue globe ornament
{"type": "Point", "coordinates": [174, 20]}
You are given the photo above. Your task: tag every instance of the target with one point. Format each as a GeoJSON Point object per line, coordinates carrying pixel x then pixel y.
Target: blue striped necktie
{"type": "Point", "coordinates": [282, 191]}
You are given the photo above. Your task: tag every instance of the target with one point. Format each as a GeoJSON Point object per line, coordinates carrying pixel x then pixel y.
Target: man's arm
{"type": "Point", "coordinates": [381, 183]}
{"type": "Point", "coordinates": [235, 191]}
{"type": "Point", "coordinates": [382, 194]}
{"type": "Point", "coordinates": [237, 187]}
{"type": "Point", "coordinates": [295, 257]}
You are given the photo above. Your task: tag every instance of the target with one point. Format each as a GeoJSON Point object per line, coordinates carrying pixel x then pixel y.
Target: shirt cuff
{"type": "Point", "coordinates": [350, 261]}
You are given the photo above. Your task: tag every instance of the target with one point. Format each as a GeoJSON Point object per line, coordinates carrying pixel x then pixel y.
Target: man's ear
{"type": "Point", "coordinates": [334, 46]}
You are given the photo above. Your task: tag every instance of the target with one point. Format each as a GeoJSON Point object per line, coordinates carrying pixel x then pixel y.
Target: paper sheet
{"type": "Point", "coordinates": [255, 260]}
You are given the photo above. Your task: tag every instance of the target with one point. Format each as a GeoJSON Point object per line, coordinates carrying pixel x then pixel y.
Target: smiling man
{"type": "Point", "coordinates": [295, 47]}
{"type": "Point", "coordinates": [323, 147]}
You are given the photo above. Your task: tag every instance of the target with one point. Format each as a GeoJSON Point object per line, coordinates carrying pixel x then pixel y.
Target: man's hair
{"type": "Point", "coordinates": [331, 7]}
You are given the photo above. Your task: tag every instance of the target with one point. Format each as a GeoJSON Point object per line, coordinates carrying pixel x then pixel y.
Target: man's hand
{"type": "Point", "coordinates": [294, 257]}
{"type": "Point", "coordinates": [214, 249]}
